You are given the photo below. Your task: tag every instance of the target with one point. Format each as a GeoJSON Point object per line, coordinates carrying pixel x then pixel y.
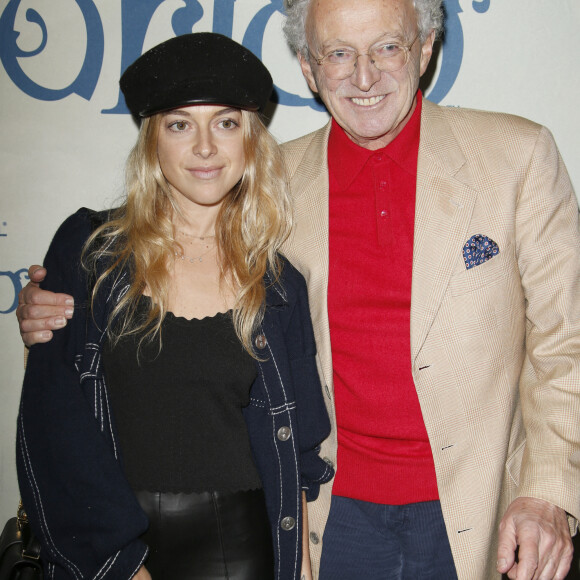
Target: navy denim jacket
{"type": "Point", "coordinates": [69, 468]}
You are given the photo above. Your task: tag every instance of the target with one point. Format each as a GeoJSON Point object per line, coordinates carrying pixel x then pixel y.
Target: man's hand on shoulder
{"type": "Point", "coordinates": [539, 531]}
{"type": "Point", "coordinates": [39, 311]}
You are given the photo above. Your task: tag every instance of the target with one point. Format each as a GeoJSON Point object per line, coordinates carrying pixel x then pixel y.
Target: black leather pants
{"type": "Point", "coordinates": [208, 536]}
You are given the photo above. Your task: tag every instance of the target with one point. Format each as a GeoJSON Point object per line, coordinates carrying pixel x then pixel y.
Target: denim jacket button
{"type": "Point", "coordinates": [328, 461]}
{"type": "Point", "coordinates": [284, 433]}
{"type": "Point", "coordinates": [288, 523]}
{"type": "Point", "coordinates": [260, 341]}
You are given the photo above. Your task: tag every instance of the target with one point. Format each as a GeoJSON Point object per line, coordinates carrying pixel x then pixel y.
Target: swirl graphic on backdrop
{"type": "Point", "coordinates": [452, 48]}
{"type": "Point", "coordinates": [136, 16]}
{"type": "Point", "coordinates": [85, 82]}
{"type": "Point", "coordinates": [10, 285]}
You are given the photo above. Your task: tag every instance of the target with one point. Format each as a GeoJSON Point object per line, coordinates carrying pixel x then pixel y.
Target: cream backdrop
{"type": "Point", "coordinates": [518, 56]}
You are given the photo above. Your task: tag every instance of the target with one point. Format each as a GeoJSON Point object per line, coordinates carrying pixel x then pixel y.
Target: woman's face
{"type": "Point", "coordinates": [201, 153]}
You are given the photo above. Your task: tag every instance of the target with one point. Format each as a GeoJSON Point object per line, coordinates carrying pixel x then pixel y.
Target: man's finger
{"type": "Point", "coordinates": [547, 569]}
{"type": "Point", "coordinates": [528, 558]}
{"type": "Point", "coordinates": [32, 294]}
{"type": "Point", "coordinates": [564, 564]}
{"type": "Point", "coordinates": [30, 338]}
{"type": "Point", "coordinates": [556, 560]}
{"type": "Point", "coordinates": [36, 273]}
{"type": "Point", "coordinates": [53, 319]}
{"type": "Point", "coordinates": [506, 546]}
{"type": "Point", "coordinates": [41, 312]}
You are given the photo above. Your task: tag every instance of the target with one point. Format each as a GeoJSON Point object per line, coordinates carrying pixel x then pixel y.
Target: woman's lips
{"type": "Point", "coordinates": [205, 172]}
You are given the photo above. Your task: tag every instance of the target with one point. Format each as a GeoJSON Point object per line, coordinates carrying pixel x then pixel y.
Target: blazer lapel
{"type": "Point", "coordinates": [444, 206]}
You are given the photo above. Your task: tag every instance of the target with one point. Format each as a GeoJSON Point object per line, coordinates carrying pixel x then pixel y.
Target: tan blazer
{"type": "Point", "coordinates": [495, 350]}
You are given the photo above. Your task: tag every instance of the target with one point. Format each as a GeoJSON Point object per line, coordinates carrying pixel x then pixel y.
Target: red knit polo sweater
{"type": "Point", "coordinates": [383, 451]}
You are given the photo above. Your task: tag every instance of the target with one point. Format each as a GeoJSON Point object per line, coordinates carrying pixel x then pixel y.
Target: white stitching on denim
{"type": "Point", "coordinates": [276, 286]}
{"type": "Point", "coordinates": [283, 409]}
{"type": "Point", "coordinates": [109, 422]}
{"type": "Point", "coordinates": [294, 444]}
{"type": "Point", "coordinates": [279, 472]}
{"type": "Point", "coordinates": [258, 402]}
{"type": "Point", "coordinates": [106, 567]}
{"type": "Point", "coordinates": [102, 408]}
{"type": "Point", "coordinates": [38, 501]}
{"type": "Point", "coordinates": [140, 563]}
{"type": "Point", "coordinates": [327, 470]}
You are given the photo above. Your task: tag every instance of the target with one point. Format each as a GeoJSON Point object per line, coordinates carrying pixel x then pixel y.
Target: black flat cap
{"type": "Point", "coordinates": [199, 68]}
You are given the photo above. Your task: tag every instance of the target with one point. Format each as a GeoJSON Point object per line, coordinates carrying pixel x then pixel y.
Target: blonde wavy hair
{"type": "Point", "coordinates": [254, 220]}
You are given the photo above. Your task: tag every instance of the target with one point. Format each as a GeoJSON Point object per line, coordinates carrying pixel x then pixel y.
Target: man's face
{"type": "Point", "coordinates": [370, 105]}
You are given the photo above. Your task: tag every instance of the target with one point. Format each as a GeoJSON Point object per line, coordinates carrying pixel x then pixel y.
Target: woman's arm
{"type": "Point", "coordinates": [75, 493]}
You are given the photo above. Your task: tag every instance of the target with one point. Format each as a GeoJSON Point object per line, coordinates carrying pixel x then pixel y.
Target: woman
{"type": "Point", "coordinates": [158, 435]}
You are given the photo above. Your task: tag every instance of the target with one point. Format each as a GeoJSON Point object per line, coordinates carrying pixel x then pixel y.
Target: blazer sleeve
{"type": "Point", "coordinates": [548, 250]}
{"type": "Point", "coordinates": [78, 501]}
{"type": "Point", "coordinates": [312, 417]}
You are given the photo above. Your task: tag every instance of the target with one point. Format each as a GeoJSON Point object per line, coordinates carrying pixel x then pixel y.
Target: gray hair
{"type": "Point", "coordinates": [429, 17]}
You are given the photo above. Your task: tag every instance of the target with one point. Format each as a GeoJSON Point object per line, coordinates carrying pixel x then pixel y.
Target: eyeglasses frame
{"type": "Point", "coordinates": [406, 47]}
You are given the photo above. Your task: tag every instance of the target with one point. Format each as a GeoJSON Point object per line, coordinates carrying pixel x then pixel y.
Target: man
{"type": "Point", "coordinates": [441, 249]}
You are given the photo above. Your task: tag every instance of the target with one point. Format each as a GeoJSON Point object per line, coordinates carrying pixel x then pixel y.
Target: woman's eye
{"type": "Point", "coordinates": [178, 126]}
{"type": "Point", "coordinates": [228, 124]}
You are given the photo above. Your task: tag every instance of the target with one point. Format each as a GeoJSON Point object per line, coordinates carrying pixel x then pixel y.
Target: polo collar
{"type": "Point", "coordinates": [347, 159]}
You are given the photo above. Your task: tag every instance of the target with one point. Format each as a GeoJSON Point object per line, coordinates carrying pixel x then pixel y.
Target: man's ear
{"type": "Point", "coordinates": [427, 51]}
{"type": "Point", "coordinates": [307, 72]}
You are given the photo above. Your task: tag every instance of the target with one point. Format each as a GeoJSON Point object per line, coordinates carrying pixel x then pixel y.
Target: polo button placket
{"type": "Point", "coordinates": [314, 538]}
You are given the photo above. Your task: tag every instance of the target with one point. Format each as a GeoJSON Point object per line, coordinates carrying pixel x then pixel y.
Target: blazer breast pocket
{"type": "Point", "coordinates": [485, 274]}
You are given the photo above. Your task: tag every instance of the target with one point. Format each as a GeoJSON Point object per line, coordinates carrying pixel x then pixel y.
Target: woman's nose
{"type": "Point", "coordinates": [204, 145]}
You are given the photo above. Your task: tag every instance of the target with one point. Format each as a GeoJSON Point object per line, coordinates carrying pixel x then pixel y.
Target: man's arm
{"type": "Point", "coordinates": [39, 311]}
{"type": "Point", "coordinates": [536, 525]}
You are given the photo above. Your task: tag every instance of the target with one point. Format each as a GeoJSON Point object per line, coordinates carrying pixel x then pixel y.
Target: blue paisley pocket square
{"type": "Point", "coordinates": [479, 249]}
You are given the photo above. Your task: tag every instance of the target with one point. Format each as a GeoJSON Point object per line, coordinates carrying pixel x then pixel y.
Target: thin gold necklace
{"type": "Point", "coordinates": [194, 259]}
{"type": "Point", "coordinates": [196, 237]}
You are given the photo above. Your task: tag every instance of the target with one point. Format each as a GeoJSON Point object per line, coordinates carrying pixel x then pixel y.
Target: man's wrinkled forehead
{"type": "Point", "coordinates": [399, 14]}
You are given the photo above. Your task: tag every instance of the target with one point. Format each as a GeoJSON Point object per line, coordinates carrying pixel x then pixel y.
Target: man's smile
{"type": "Point", "coordinates": [367, 101]}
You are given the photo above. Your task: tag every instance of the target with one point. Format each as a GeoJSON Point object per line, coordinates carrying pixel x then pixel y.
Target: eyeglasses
{"type": "Point", "coordinates": [340, 63]}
